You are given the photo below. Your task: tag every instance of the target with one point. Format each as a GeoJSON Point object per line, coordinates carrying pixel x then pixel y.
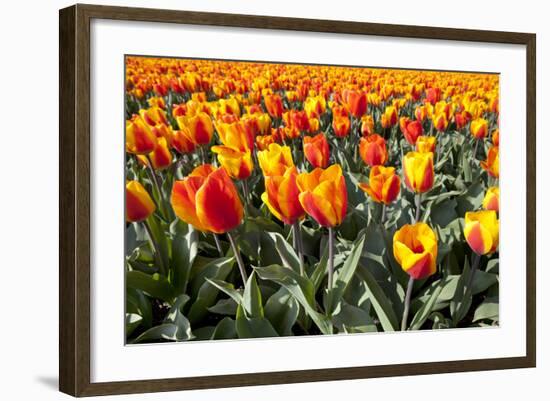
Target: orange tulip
{"type": "Point", "coordinates": [316, 150]}
{"type": "Point", "coordinates": [491, 199]}
{"type": "Point", "coordinates": [275, 160]}
{"type": "Point", "coordinates": [461, 119]}
{"type": "Point", "coordinates": [481, 230]}
{"type": "Point", "coordinates": [425, 144]}
{"type": "Point", "coordinates": [341, 125]}
{"type": "Point", "coordinates": [367, 125]}
{"type": "Point", "coordinates": [296, 119]}
{"type": "Point", "coordinates": [418, 170]}
{"type": "Point", "coordinates": [282, 196]}
{"type": "Point", "coordinates": [415, 249]}
{"type": "Point", "coordinates": [383, 186]}
{"type": "Point", "coordinates": [182, 141]}
{"type": "Point", "coordinates": [153, 116]}
{"type": "Point", "coordinates": [161, 157]}
{"type": "Point", "coordinates": [421, 112]}
{"type": "Point", "coordinates": [315, 106]}
{"type": "Point", "coordinates": [372, 150]}
{"type": "Point", "coordinates": [433, 95]}
{"type": "Point", "coordinates": [411, 129]}
{"type": "Point", "coordinates": [323, 195]}
{"type": "Point", "coordinates": [238, 164]}
{"type": "Point", "coordinates": [479, 128]}
{"type": "Point", "coordinates": [491, 165]}
{"type": "Point", "coordinates": [139, 205]}
{"type": "Point", "coordinates": [140, 139]}
{"type": "Point", "coordinates": [208, 200]}
{"type": "Point", "coordinates": [200, 126]}
{"type": "Point", "coordinates": [356, 102]}
{"type": "Point", "coordinates": [274, 105]}
{"type": "Point", "coordinates": [496, 137]}
{"type": "Point", "coordinates": [237, 135]}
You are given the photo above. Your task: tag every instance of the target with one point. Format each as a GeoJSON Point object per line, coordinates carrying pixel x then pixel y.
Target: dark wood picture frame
{"type": "Point", "coordinates": [74, 199]}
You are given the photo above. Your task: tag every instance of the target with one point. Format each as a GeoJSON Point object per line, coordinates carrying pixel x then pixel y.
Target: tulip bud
{"type": "Point", "coordinates": [282, 196]}
{"type": "Point", "coordinates": [415, 249]}
{"type": "Point", "coordinates": [238, 164]}
{"type": "Point", "coordinates": [316, 150]}
{"type": "Point", "coordinates": [481, 230]}
{"type": "Point", "coordinates": [425, 144]}
{"type": "Point", "coordinates": [389, 118]}
{"type": "Point", "coordinates": [208, 200]}
{"type": "Point", "coordinates": [341, 125]}
{"type": "Point", "coordinates": [411, 129]}
{"type": "Point", "coordinates": [323, 195]}
{"type": "Point", "coordinates": [383, 186]}
{"type": "Point", "coordinates": [418, 170]}
{"type": "Point", "coordinates": [140, 139]}
{"type": "Point", "coordinates": [274, 105]}
{"type": "Point", "coordinates": [367, 125]}
{"type": "Point", "coordinates": [478, 128]}
{"type": "Point", "coordinates": [139, 205]}
{"type": "Point", "coordinates": [372, 150]}
{"type": "Point", "coordinates": [440, 122]}
{"type": "Point", "coordinates": [496, 137]}
{"type": "Point", "coordinates": [275, 160]}
{"type": "Point", "coordinates": [491, 165]}
{"type": "Point", "coordinates": [491, 199]}
{"type": "Point", "coordinates": [200, 126]}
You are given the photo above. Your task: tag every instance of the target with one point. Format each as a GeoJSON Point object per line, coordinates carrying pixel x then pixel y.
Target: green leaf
{"type": "Point", "coordinates": [224, 307]}
{"type": "Point", "coordinates": [253, 327]}
{"type": "Point", "coordinates": [224, 330]}
{"type": "Point", "coordinates": [184, 250]}
{"type": "Point", "coordinates": [300, 287]}
{"type": "Point", "coordinates": [133, 321]}
{"type": "Point", "coordinates": [351, 319]}
{"type": "Point", "coordinates": [228, 289]}
{"type": "Point", "coordinates": [344, 275]}
{"type": "Point", "coordinates": [320, 271]}
{"type": "Point", "coordinates": [482, 281]}
{"type": "Point", "coordinates": [138, 303]}
{"type": "Point", "coordinates": [154, 285]}
{"type": "Point", "coordinates": [206, 295]}
{"type": "Point", "coordinates": [165, 331]}
{"type": "Point", "coordinates": [382, 306]}
{"type": "Point", "coordinates": [286, 252]}
{"type": "Point", "coordinates": [281, 309]}
{"type": "Point", "coordinates": [424, 312]}
{"type": "Point", "coordinates": [462, 298]}
{"type": "Point", "coordinates": [488, 309]}
{"type": "Point", "coordinates": [252, 298]}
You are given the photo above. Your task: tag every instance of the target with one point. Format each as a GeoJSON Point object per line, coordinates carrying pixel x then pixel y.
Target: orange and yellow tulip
{"type": "Point", "coordinates": [323, 195]}
{"type": "Point", "coordinates": [182, 141]}
{"type": "Point", "coordinates": [316, 150]}
{"type": "Point", "coordinates": [384, 184]}
{"type": "Point", "coordinates": [496, 137]}
{"type": "Point", "coordinates": [200, 127]}
{"type": "Point", "coordinates": [481, 230]}
{"type": "Point", "coordinates": [418, 170]}
{"type": "Point", "coordinates": [415, 249]}
{"type": "Point", "coordinates": [274, 105]}
{"type": "Point", "coordinates": [282, 196]}
{"type": "Point", "coordinates": [425, 144]}
{"type": "Point", "coordinates": [479, 128]}
{"type": "Point", "coordinates": [161, 157]}
{"type": "Point", "coordinates": [372, 150]}
{"type": "Point", "coordinates": [367, 125]}
{"type": "Point", "coordinates": [492, 199]}
{"type": "Point", "coordinates": [341, 125]}
{"type": "Point", "coordinates": [153, 116]}
{"type": "Point", "coordinates": [356, 102]}
{"type": "Point", "coordinates": [237, 135]}
{"type": "Point", "coordinates": [440, 121]}
{"type": "Point", "coordinates": [275, 159]}
{"type": "Point", "coordinates": [389, 118]}
{"type": "Point", "coordinates": [238, 164]}
{"type": "Point", "coordinates": [491, 165]}
{"type": "Point", "coordinates": [139, 205]}
{"type": "Point", "coordinates": [208, 200]}
{"type": "Point", "coordinates": [421, 112]}
{"type": "Point", "coordinates": [140, 139]}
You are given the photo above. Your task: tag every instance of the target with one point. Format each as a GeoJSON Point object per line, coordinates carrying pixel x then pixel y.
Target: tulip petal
{"type": "Point", "coordinates": [318, 208]}
{"type": "Point", "coordinates": [183, 200]}
{"type": "Point", "coordinates": [478, 237]}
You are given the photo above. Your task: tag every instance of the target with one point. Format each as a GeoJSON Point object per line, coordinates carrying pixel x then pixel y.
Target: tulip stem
{"type": "Point", "coordinates": [238, 256]}
{"type": "Point", "coordinates": [156, 186]}
{"type": "Point", "coordinates": [407, 304]}
{"type": "Point", "coordinates": [475, 265]}
{"type": "Point", "coordinates": [383, 215]}
{"type": "Point", "coordinates": [218, 244]}
{"type": "Point", "coordinates": [299, 245]}
{"type": "Point", "coordinates": [417, 201]}
{"type": "Point", "coordinates": [246, 195]}
{"type": "Point", "coordinates": [330, 256]}
{"type": "Point", "coordinates": [156, 248]}
{"type": "Point", "coordinates": [475, 149]}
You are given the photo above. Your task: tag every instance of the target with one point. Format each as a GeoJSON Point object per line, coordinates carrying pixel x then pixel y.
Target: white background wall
{"type": "Point", "coordinates": [29, 185]}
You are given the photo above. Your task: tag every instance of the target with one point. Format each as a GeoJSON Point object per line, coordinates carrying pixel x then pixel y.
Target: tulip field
{"type": "Point", "coordinates": [267, 200]}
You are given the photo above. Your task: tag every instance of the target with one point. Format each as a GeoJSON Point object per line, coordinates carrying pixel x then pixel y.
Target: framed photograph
{"type": "Point", "coordinates": [250, 200]}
